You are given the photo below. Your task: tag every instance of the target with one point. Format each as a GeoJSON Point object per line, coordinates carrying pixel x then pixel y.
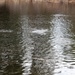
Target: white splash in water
{"type": "Point", "coordinates": [40, 31]}
{"type": "Point", "coordinates": [58, 15]}
{"type": "Point", "coordinates": [6, 31]}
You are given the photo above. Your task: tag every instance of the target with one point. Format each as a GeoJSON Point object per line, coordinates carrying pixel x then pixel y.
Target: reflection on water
{"type": "Point", "coordinates": [26, 46]}
{"type": "Point", "coordinates": [37, 43]}
{"type": "Point", "coordinates": [61, 42]}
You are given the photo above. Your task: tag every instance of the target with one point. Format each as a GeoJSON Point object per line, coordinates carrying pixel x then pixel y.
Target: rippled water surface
{"type": "Point", "coordinates": [37, 44]}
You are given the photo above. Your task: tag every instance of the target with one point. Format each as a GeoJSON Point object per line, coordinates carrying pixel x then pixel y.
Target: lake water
{"type": "Point", "coordinates": [40, 41]}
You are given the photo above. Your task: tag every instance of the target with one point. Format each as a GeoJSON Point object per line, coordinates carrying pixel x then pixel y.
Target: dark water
{"type": "Point", "coordinates": [37, 43]}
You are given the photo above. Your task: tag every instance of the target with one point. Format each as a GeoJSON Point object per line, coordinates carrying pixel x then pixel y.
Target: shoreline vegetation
{"type": "Point", "coordinates": [38, 6]}
{"type": "Point", "coordinates": [34, 1]}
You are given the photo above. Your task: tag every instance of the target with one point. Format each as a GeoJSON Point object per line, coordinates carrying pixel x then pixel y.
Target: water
{"type": "Point", "coordinates": [37, 42]}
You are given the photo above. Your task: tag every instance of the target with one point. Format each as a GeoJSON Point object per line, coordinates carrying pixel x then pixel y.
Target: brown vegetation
{"type": "Point", "coordinates": [49, 1]}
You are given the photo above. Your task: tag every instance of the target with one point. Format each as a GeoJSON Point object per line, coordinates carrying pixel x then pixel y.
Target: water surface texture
{"type": "Point", "coordinates": [37, 42]}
